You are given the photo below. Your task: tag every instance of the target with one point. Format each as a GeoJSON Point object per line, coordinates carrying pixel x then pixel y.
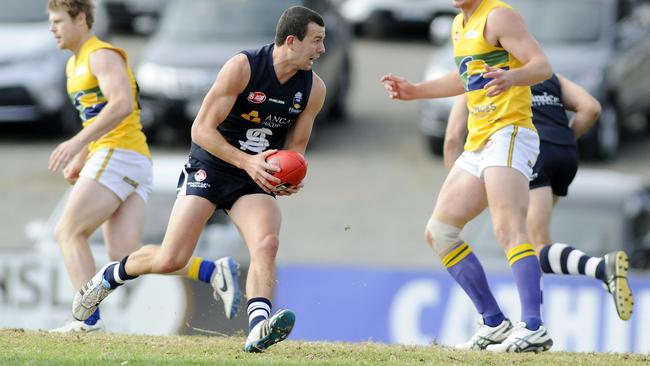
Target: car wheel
{"type": "Point", "coordinates": [69, 121]}
{"type": "Point", "coordinates": [603, 140]}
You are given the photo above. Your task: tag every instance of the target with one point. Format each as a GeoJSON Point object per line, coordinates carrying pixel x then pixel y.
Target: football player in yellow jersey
{"type": "Point", "coordinates": [498, 60]}
{"type": "Point", "coordinates": [108, 161]}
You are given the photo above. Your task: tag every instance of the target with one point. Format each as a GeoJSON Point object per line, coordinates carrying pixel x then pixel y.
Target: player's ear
{"type": "Point", "coordinates": [80, 18]}
{"type": "Point", "coordinates": [290, 40]}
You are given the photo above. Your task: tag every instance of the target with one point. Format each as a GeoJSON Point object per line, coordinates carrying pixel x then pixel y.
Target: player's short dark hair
{"type": "Point", "coordinates": [295, 21]}
{"type": "Point", "coordinates": [74, 8]}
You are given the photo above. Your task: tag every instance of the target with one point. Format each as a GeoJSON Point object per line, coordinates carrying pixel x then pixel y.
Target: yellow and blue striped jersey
{"type": "Point", "coordinates": [472, 52]}
{"type": "Point", "coordinates": [86, 95]}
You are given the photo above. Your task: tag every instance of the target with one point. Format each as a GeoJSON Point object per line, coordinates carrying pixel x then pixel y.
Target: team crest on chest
{"type": "Point", "coordinates": [297, 100]}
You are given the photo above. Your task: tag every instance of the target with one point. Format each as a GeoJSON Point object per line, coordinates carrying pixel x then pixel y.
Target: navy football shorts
{"type": "Point", "coordinates": [556, 167]}
{"type": "Point", "coordinates": [221, 186]}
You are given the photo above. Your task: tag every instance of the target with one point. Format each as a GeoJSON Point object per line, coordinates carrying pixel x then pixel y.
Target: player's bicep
{"type": "Point", "coordinates": [509, 29]}
{"type": "Point", "coordinates": [230, 82]}
{"type": "Point", "coordinates": [110, 70]}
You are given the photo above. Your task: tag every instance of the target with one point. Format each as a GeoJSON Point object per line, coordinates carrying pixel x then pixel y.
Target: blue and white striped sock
{"type": "Point", "coordinates": [259, 309]}
{"type": "Point", "coordinates": [115, 275]}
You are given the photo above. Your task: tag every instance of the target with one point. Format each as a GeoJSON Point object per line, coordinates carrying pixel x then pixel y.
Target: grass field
{"type": "Point", "coordinates": [20, 347]}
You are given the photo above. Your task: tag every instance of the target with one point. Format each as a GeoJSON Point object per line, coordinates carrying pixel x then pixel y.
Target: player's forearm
{"type": "Point", "coordinates": [533, 72]}
{"type": "Point", "coordinates": [452, 149]}
{"type": "Point", "coordinates": [446, 86]}
{"type": "Point", "coordinates": [109, 118]}
{"type": "Point", "coordinates": [583, 120]}
{"type": "Point", "coordinates": [212, 141]}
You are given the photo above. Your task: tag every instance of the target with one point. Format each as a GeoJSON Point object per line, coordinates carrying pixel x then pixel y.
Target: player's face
{"type": "Point", "coordinates": [64, 28]}
{"type": "Point", "coordinates": [311, 47]}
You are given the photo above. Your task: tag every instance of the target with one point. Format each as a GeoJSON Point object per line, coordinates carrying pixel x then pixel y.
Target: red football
{"type": "Point", "coordinates": [293, 167]}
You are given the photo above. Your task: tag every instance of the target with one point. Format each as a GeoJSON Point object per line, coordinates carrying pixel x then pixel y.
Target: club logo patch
{"type": "Point", "coordinates": [200, 175]}
{"type": "Point", "coordinates": [256, 97]}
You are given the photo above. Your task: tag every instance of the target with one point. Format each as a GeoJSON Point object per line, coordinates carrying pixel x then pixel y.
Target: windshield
{"type": "Point", "coordinates": [210, 19]}
{"type": "Point", "coordinates": [23, 11]}
{"type": "Point", "coordinates": [561, 21]}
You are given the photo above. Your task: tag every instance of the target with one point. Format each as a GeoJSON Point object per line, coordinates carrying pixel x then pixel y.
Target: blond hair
{"type": "Point", "coordinates": [74, 8]}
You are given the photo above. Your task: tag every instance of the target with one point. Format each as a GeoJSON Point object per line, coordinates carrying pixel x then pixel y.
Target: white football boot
{"type": "Point", "coordinates": [270, 331]}
{"type": "Point", "coordinates": [88, 298]}
{"type": "Point", "coordinates": [486, 335]}
{"type": "Point", "coordinates": [225, 282]}
{"type": "Point", "coordinates": [616, 266]}
{"type": "Point", "coordinates": [75, 326]}
{"type": "Point", "coordinates": [522, 339]}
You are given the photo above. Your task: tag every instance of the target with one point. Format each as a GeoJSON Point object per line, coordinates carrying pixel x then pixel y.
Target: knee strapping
{"type": "Point", "coordinates": [443, 236]}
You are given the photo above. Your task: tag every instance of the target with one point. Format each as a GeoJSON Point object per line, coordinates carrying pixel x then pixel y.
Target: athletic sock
{"type": "Point", "coordinates": [466, 269]}
{"type": "Point", "coordinates": [200, 269]}
{"type": "Point", "coordinates": [259, 309]}
{"type": "Point", "coordinates": [115, 275]}
{"type": "Point", "coordinates": [528, 275]}
{"type": "Point", "coordinates": [93, 319]}
{"type": "Point", "coordinates": [561, 258]}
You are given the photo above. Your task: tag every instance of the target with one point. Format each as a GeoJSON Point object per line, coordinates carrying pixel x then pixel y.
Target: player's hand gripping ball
{"type": "Point", "coordinates": [293, 168]}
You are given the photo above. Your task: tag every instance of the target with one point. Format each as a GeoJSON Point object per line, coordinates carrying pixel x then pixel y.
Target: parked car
{"type": "Point", "coordinates": [580, 50]}
{"type": "Point", "coordinates": [124, 14]}
{"type": "Point", "coordinates": [604, 211]}
{"type": "Point", "coordinates": [32, 69]}
{"type": "Point", "coordinates": [195, 39]}
{"type": "Point", "coordinates": [628, 75]}
{"type": "Point", "coordinates": [382, 17]}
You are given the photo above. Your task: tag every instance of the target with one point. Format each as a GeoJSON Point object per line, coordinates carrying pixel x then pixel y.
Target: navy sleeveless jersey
{"type": "Point", "coordinates": [263, 113]}
{"type": "Point", "coordinates": [549, 115]}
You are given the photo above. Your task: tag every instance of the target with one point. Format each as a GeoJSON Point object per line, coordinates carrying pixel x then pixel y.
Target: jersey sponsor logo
{"type": "Point", "coordinates": [471, 34]}
{"type": "Point", "coordinates": [256, 97]}
{"type": "Point", "coordinates": [131, 182]}
{"type": "Point", "coordinates": [483, 110]}
{"type": "Point", "coordinates": [253, 116]}
{"type": "Point", "coordinates": [275, 121]}
{"type": "Point", "coordinates": [80, 70]}
{"type": "Point", "coordinates": [546, 99]}
{"type": "Point", "coordinates": [256, 140]}
{"type": "Point", "coordinates": [278, 101]}
{"type": "Point", "coordinates": [200, 175]}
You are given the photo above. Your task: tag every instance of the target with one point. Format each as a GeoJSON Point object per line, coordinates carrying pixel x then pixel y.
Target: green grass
{"type": "Point", "coordinates": [20, 347]}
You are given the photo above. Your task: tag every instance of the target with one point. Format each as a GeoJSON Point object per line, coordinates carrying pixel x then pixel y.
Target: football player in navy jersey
{"type": "Point", "coordinates": [553, 172]}
{"type": "Point", "coordinates": [263, 100]}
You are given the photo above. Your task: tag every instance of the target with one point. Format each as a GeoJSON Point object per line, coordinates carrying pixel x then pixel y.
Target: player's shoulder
{"type": "Point", "coordinates": [504, 14]}
{"type": "Point", "coordinates": [318, 85]}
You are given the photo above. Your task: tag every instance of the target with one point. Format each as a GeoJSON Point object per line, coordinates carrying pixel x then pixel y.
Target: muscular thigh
{"type": "Point", "coordinates": [256, 216]}
{"type": "Point", "coordinates": [89, 205]}
{"type": "Point", "coordinates": [186, 222]}
{"type": "Point", "coordinates": [507, 194]}
{"type": "Point", "coordinates": [461, 198]}
{"type": "Point", "coordinates": [123, 230]}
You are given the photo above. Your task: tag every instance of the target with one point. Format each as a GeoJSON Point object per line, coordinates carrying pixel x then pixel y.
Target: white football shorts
{"type": "Point", "coordinates": [121, 171]}
{"type": "Point", "coordinates": [512, 146]}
